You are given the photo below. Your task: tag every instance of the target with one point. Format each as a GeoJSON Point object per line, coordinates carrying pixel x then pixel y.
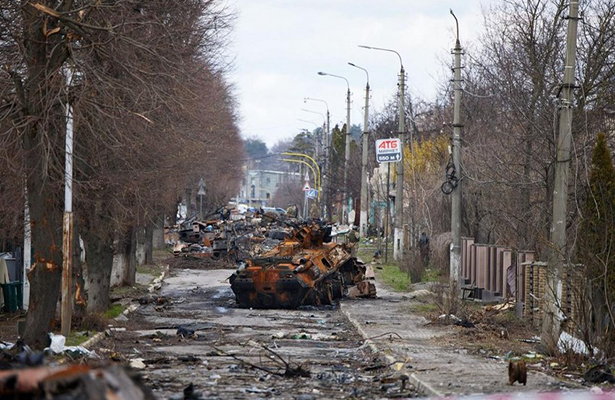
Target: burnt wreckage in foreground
{"type": "Point", "coordinates": [305, 269]}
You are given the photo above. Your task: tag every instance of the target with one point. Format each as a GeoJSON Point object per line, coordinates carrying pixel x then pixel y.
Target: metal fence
{"type": "Point", "coordinates": [493, 271]}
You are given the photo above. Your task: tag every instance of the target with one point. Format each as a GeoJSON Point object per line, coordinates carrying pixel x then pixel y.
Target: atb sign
{"type": "Point", "coordinates": [388, 150]}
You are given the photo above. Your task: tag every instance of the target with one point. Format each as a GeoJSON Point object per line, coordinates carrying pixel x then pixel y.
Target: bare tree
{"type": "Point", "coordinates": [136, 69]}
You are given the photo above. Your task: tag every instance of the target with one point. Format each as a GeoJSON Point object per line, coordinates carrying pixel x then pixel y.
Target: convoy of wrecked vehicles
{"type": "Point", "coordinates": [282, 262]}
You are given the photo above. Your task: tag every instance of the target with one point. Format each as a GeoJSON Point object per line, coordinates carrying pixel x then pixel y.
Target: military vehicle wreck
{"type": "Point", "coordinates": [305, 269]}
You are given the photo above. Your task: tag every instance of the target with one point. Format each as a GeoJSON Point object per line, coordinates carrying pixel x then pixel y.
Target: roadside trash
{"type": "Point", "coordinates": [568, 342]}
{"type": "Point", "coordinates": [58, 346]}
{"type": "Point", "coordinates": [57, 343]}
{"type": "Point", "coordinates": [137, 363]}
{"type": "Point", "coordinates": [464, 323]}
{"type": "Point", "coordinates": [301, 335]}
{"type": "Point", "coordinates": [188, 358]}
{"type": "Point", "coordinates": [449, 318]}
{"type": "Point", "coordinates": [599, 374]}
{"type": "Point", "coordinates": [185, 332]}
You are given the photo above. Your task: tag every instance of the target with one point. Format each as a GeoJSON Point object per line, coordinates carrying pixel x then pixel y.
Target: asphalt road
{"type": "Point", "coordinates": [234, 353]}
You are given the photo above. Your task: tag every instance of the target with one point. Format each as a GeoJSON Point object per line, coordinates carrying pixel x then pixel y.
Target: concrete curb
{"type": "Point", "coordinates": [155, 285]}
{"type": "Point", "coordinates": [422, 386]}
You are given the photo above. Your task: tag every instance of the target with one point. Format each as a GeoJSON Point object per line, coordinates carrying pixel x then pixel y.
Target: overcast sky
{"type": "Point", "coordinates": [278, 47]}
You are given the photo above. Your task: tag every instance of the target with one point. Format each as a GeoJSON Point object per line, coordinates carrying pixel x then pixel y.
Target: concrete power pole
{"type": "Point", "coordinates": [346, 197]}
{"type": "Point", "coordinates": [327, 169]}
{"type": "Point", "coordinates": [398, 233]}
{"type": "Point", "coordinates": [67, 237]}
{"type": "Point", "coordinates": [551, 327]}
{"type": "Point", "coordinates": [364, 201]}
{"type": "Point", "coordinates": [455, 253]}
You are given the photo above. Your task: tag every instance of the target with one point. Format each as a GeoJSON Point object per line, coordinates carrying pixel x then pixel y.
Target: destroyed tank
{"type": "Point", "coordinates": [305, 269]}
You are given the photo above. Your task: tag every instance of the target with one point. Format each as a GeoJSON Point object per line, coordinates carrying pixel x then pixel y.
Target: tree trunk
{"type": "Point", "coordinates": [149, 244]}
{"type": "Point", "coordinates": [140, 248]}
{"type": "Point", "coordinates": [43, 134]}
{"type": "Point", "coordinates": [158, 235]}
{"type": "Point", "coordinates": [46, 274]}
{"type": "Point", "coordinates": [128, 253]}
{"type": "Point", "coordinates": [99, 261]}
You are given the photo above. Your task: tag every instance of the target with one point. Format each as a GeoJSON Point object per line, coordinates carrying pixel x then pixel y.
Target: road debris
{"type": "Point", "coordinates": [72, 382]}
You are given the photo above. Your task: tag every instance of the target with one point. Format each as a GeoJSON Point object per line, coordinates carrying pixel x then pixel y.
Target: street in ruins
{"type": "Point", "coordinates": [302, 200]}
{"type": "Point", "coordinates": [198, 336]}
{"type": "Point", "coordinates": [192, 334]}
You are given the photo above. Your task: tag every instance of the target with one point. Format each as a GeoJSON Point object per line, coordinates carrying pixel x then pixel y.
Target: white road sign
{"type": "Point", "coordinates": [388, 150]}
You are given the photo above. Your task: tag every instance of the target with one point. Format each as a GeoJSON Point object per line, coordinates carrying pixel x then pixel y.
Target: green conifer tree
{"type": "Point", "coordinates": [596, 246]}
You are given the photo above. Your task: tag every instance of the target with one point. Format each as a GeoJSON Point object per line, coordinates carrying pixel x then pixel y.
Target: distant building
{"type": "Point", "coordinates": [259, 186]}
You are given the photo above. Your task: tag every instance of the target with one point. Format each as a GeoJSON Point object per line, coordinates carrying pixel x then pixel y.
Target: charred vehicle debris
{"type": "Point", "coordinates": [281, 262]}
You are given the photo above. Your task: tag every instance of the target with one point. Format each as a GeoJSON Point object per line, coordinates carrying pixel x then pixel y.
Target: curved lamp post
{"type": "Point", "coordinates": [347, 157]}
{"type": "Point", "coordinates": [325, 161]}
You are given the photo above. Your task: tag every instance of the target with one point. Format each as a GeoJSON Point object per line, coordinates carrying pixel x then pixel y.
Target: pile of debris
{"type": "Point", "coordinates": [25, 374]}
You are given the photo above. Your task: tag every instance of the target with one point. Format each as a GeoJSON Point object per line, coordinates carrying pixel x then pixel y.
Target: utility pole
{"type": "Point", "coordinates": [551, 327]}
{"type": "Point", "coordinates": [327, 169]}
{"type": "Point", "coordinates": [455, 253]}
{"type": "Point", "coordinates": [346, 197]}
{"type": "Point", "coordinates": [67, 226]}
{"type": "Point", "coordinates": [398, 233]}
{"type": "Point", "coordinates": [364, 202]}
{"type": "Point", "coordinates": [398, 224]}
{"type": "Point", "coordinates": [388, 219]}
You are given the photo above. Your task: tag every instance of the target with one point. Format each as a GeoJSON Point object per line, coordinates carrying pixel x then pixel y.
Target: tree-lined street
{"type": "Point", "coordinates": [215, 136]}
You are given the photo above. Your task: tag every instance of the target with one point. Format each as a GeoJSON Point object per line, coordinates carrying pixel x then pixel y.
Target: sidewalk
{"type": "Point", "coordinates": [434, 367]}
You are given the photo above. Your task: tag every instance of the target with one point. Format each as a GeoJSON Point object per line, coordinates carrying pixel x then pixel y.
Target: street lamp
{"type": "Point", "coordinates": [364, 205]}
{"type": "Point", "coordinates": [317, 137]}
{"type": "Point", "coordinates": [325, 161]}
{"type": "Point", "coordinates": [347, 158]}
{"type": "Point", "coordinates": [398, 232]}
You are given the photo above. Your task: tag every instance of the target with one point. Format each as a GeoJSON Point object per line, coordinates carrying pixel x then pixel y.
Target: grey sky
{"type": "Point", "coordinates": [280, 45]}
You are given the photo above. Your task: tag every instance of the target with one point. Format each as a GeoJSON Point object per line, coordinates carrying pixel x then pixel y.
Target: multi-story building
{"type": "Point", "coordinates": [259, 186]}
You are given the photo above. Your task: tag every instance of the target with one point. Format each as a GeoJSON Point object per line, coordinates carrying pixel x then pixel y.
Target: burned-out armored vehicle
{"type": "Point", "coordinates": [305, 269]}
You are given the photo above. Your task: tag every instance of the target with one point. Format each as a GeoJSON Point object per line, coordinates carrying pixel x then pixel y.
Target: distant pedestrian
{"type": "Point", "coordinates": [353, 240]}
{"type": "Point", "coordinates": [424, 248]}
{"type": "Point", "coordinates": [292, 211]}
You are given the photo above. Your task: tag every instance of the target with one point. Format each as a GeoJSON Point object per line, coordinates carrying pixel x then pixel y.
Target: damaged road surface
{"type": "Point", "coordinates": [201, 344]}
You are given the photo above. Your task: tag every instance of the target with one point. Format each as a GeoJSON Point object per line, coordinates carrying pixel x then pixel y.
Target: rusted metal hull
{"type": "Point", "coordinates": [302, 270]}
